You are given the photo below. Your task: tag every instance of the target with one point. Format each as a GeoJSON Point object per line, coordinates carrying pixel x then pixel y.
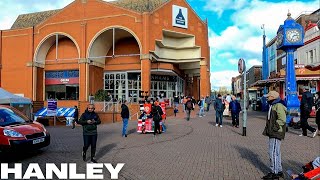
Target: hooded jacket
{"type": "Point", "coordinates": [276, 120]}
{"type": "Point", "coordinates": [89, 129]}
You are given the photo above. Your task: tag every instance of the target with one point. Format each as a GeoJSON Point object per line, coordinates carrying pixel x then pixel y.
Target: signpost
{"type": "Point", "coordinates": [52, 109]}
{"type": "Point", "coordinates": [241, 69]}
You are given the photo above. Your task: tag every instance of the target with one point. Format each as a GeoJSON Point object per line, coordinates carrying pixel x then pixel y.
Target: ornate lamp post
{"type": "Point", "coordinates": [265, 69]}
{"type": "Point", "coordinates": [290, 37]}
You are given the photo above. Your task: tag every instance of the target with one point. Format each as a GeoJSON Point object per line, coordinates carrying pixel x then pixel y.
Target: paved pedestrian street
{"type": "Point", "coordinates": [194, 149]}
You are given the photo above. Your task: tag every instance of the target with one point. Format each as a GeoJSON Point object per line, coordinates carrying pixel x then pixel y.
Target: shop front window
{"type": "Point", "coordinates": [62, 92]}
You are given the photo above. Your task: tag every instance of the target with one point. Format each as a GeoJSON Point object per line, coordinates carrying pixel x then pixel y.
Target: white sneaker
{"type": "Point", "coordinates": [315, 133]}
{"type": "Point", "coordinates": [301, 135]}
{"type": "Point", "coordinates": [200, 116]}
{"type": "Point", "coordinates": [217, 125]}
{"type": "Point", "coordinates": [220, 125]}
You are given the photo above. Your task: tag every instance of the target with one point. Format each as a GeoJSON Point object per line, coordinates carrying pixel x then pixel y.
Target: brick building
{"type": "Point", "coordinates": [124, 47]}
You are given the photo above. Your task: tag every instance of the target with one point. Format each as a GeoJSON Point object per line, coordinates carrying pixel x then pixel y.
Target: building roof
{"type": "Point", "coordinates": [140, 5]}
{"type": "Point", "coordinates": [33, 19]}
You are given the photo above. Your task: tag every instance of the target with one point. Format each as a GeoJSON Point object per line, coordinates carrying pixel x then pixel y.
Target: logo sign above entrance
{"type": "Point", "coordinates": [179, 16]}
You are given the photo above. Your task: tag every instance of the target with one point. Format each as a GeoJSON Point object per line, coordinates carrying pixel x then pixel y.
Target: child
{"type": "Point", "coordinates": [175, 111]}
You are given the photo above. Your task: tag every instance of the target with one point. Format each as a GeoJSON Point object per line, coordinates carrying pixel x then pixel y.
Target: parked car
{"type": "Point", "coordinates": [17, 132]}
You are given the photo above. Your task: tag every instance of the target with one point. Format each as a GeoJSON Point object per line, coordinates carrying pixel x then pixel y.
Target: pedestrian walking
{"type": "Point", "coordinates": [89, 121]}
{"type": "Point", "coordinates": [176, 101]}
{"type": "Point", "coordinates": [75, 117]}
{"type": "Point", "coordinates": [188, 107]}
{"type": "Point", "coordinates": [125, 117]}
{"type": "Point", "coordinates": [201, 106]}
{"type": "Point", "coordinates": [317, 105]}
{"type": "Point", "coordinates": [157, 117]}
{"type": "Point", "coordinates": [208, 100]}
{"type": "Point", "coordinates": [235, 109]}
{"type": "Point", "coordinates": [219, 107]}
{"type": "Point", "coordinates": [305, 109]}
{"type": "Point", "coordinates": [275, 129]}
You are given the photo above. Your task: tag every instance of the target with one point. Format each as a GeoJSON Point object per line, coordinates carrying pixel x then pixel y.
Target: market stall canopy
{"type": "Point", "coordinates": [9, 98]}
{"type": "Point", "coordinates": [66, 112]}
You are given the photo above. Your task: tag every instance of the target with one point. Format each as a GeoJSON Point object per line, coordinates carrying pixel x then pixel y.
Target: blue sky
{"type": "Point", "coordinates": [234, 27]}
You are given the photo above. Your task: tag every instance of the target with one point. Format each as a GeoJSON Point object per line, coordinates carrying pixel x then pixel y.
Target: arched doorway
{"type": "Point", "coordinates": [118, 51]}
{"type": "Point", "coordinates": [58, 78]}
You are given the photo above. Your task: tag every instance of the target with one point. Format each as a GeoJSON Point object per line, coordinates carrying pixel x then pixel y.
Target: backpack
{"type": "Point", "coordinates": [189, 105]}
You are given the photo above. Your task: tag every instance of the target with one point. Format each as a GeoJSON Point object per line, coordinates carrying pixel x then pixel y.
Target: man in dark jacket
{"type": "Point", "coordinates": [275, 129]}
{"type": "Point", "coordinates": [188, 107]}
{"type": "Point", "coordinates": [235, 109]}
{"type": "Point", "coordinates": [305, 109]}
{"type": "Point", "coordinates": [157, 117]}
{"type": "Point", "coordinates": [75, 117]}
{"type": "Point", "coordinates": [208, 101]}
{"type": "Point", "coordinates": [219, 107]}
{"type": "Point", "coordinates": [125, 117]}
{"type": "Point", "coordinates": [89, 121]}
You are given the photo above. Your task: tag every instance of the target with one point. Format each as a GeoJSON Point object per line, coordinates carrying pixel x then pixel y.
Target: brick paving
{"type": "Point", "coordinates": [194, 149]}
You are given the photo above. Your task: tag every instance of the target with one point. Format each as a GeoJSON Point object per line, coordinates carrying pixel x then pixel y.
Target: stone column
{"type": "Point", "coordinates": [204, 81]}
{"type": "Point", "coordinates": [145, 60]}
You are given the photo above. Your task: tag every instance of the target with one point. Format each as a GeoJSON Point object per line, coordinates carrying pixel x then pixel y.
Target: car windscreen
{"type": "Point", "coordinates": [9, 117]}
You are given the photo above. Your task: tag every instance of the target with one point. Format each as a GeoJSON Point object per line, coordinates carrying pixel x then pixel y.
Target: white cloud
{"type": "Point", "coordinates": [11, 9]}
{"type": "Point", "coordinates": [244, 37]}
{"type": "Point", "coordinates": [219, 6]}
{"type": "Point", "coordinates": [253, 62]}
{"type": "Point", "coordinates": [222, 78]}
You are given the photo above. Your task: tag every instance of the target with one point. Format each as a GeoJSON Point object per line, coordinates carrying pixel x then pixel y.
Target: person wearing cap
{"type": "Point", "coordinates": [305, 110]}
{"type": "Point", "coordinates": [275, 129]}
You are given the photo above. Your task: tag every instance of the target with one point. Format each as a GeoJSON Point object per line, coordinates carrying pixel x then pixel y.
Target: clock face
{"type": "Point", "coordinates": [279, 39]}
{"type": "Point", "coordinates": [293, 35]}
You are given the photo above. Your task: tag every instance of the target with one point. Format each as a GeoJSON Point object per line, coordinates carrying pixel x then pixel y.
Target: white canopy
{"type": "Point", "coordinates": [9, 98]}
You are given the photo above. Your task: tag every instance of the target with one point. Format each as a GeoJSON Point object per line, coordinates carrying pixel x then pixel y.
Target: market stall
{"type": "Point", "coordinates": [145, 122]}
{"type": "Point", "coordinates": [21, 103]}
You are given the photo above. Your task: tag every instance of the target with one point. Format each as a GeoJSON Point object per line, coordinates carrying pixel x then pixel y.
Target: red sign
{"type": "Point", "coordinates": [55, 81]}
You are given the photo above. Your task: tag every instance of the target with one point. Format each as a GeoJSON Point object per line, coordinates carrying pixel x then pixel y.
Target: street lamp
{"type": "Point", "coordinates": [242, 70]}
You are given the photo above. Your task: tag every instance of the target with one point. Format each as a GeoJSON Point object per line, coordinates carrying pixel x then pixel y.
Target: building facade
{"type": "Point", "coordinates": [128, 48]}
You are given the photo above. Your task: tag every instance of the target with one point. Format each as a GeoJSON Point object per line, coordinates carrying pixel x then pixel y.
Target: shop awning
{"type": "Point", "coordinates": [274, 80]}
{"type": "Point", "coordinates": [66, 112]}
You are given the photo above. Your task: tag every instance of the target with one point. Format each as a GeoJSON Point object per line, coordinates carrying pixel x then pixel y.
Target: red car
{"type": "Point", "coordinates": [18, 132]}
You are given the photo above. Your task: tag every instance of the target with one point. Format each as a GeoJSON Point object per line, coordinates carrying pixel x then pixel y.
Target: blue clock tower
{"type": "Point", "coordinates": [290, 36]}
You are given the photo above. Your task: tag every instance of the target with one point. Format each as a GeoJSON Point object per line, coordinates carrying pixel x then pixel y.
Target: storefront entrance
{"type": "Point", "coordinates": [127, 85]}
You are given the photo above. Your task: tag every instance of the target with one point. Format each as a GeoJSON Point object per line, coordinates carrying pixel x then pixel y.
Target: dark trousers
{"type": "Point", "coordinates": [156, 127]}
{"type": "Point", "coordinates": [305, 126]}
{"type": "Point", "coordinates": [90, 140]}
{"type": "Point", "coordinates": [235, 118]}
{"type": "Point", "coordinates": [188, 114]}
{"type": "Point", "coordinates": [208, 107]}
{"type": "Point", "coordinates": [219, 116]}
{"type": "Point", "coordinates": [318, 119]}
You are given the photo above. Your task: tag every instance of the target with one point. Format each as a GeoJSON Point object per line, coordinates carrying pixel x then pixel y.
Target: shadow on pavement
{"type": "Point", "coordinates": [104, 150]}
{"type": "Point", "coordinates": [132, 131]}
{"type": "Point", "coordinates": [253, 158]}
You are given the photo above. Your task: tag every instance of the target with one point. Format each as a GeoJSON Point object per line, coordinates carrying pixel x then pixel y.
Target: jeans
{"type": "Point", "coordinates": [275, 155]}
{"type": "Point", "coordinates": [201, 112]}
{"type": "Point", "coordinates": [219, 117]}
{"type": "Point", "coordinates": [90, 140]}
{"type": "Point", "coordinates": [235, 118]}
{"type": "Point", "coordinates": [125, 126]}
